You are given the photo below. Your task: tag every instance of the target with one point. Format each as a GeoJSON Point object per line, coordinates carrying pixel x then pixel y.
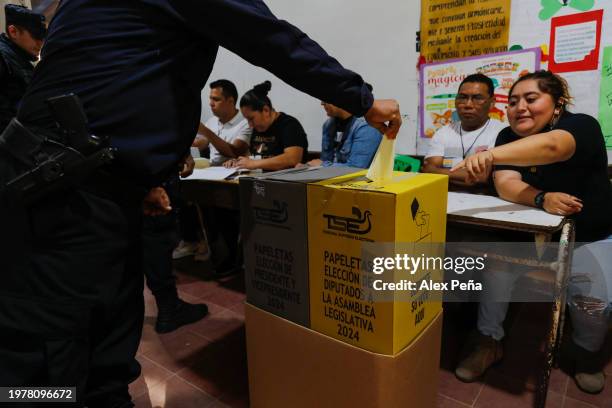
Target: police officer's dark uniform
{"type": "Point", "coordinates": [16, 66]}
{"type": "Point", "coordinates": [71, 307]}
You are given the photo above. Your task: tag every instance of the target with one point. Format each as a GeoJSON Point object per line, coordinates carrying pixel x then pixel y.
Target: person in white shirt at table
{"type": "Point", "coordinates": [475, 132]}
{"type": "Point", "coordinates": [227, 133]}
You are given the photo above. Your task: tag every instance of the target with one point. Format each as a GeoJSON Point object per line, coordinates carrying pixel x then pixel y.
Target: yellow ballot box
{"type": "Point", "coordinates": [350, 213]}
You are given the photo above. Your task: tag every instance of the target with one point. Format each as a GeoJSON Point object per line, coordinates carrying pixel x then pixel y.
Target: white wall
{"type": "Point", "coordinates": [375, 39]}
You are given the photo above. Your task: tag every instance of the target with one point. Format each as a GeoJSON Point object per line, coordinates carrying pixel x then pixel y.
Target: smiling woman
{"type": "Point", "coordinates": [550, 158]}
{"type": "Point", "coordinates": [556, 160]}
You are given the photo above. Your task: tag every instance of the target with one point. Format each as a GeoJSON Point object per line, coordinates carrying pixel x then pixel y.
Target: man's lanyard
{"type": "Point", "coordinates": [463, 151]}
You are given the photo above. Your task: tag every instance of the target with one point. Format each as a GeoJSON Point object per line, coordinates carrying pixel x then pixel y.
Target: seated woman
{"type": "Point", "coordinates": [555, 160]}
{"type": "Point", "coordinates": [347, 140]}
{"type": "Point", "coordinates": [278, 140]}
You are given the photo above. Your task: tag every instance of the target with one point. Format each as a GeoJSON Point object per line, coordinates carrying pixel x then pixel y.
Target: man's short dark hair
{"type": "Point", "coordinates": [227, 88]}
{"type": "Point", "coordinates": [481, 78]}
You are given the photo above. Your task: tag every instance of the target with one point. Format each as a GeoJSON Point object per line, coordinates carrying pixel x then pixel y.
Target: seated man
{"type": "Point", "coordinates": [227, 133]}
{"type": "Point", "coordinates": [347, 140]}
{"type": "Point", "coordinates": [475, 132]}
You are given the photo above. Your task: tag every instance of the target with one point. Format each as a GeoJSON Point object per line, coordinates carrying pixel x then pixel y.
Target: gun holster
{"type": "Point", "coordinates": [52, 165]}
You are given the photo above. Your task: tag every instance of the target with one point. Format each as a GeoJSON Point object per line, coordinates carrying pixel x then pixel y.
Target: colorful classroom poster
{"type": "Point", "coordinates": [574, 42]}
{"type": "Point", "coordinates": [528, 30]}
{"type": "Point", "coordinates": [605, 97]}
{"type": "Point", "coordinates": [440, 81]}
{"type": "Point", "coordinates": [463, 28]}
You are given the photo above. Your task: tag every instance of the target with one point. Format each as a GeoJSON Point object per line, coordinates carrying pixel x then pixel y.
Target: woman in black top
{"type": "Point", "coordinates": [555, 160]}
{"type": "Point", "coordinates": [278, 140]}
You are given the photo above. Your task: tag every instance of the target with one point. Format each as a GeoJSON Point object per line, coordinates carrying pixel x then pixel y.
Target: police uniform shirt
{"type": "Point", "coordinates": [139, 68]}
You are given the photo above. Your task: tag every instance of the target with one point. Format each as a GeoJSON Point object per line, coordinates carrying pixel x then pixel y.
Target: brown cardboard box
{"type": "Point", "coordinates": [293, 366]}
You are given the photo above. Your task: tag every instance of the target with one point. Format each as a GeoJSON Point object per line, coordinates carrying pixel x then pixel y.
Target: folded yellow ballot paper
{"type": "Point", "coordinates": [381, 168]}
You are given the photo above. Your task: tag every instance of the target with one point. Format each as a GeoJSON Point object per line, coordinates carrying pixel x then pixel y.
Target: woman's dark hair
{"type": "Point", "coordinates": [257, 97]}
{"type": "Point", "coordinates": [549, 83]}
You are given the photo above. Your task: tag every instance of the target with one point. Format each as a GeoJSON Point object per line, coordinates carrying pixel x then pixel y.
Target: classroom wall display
{"type": "Point", "coordinates": [532, 25]}
{"type": "Point", "coordinates": [574, 42]}
{"type": "Point", "coordinates": [605, 97]}
{"type": "Point", "coordinates": [463, 28]}
{"type": "Point", "coordinates": [440, 82]}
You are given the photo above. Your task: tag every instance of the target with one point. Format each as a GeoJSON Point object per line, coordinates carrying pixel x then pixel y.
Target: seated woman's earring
{"type": "Point", "coordinates": [556, 114]}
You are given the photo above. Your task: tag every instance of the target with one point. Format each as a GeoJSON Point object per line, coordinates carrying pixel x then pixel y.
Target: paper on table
{"type": "Point", "coordinates": [211, 173]}
{"type": "Point", "coordinates": [381, 168]}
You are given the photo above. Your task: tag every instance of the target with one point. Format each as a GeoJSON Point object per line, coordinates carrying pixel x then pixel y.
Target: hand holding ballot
{"type": "Point", "coordinates": [385, 116]}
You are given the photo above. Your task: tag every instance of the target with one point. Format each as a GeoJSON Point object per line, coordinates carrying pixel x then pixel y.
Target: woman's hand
{"type": "Point", "coordinates": [478, 166]}
{"type": "Point", "coordinates": [562, 204]}
{"type": "Point", "coordinates": [244, 162]}
{"type": "Point", "coordinates": [314, 163]}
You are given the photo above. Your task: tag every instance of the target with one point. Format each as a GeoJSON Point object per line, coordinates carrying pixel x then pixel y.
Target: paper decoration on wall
{"type": "Point", "coordinates": [574, 42]}
{"type": "Point", "coordinates": [463, 28]}
{"type": "Point", "coordinates": [544, 48]}
{"type": "Point", "coordinates": [605, 96]}
{"type": "Point", "coordinates": [440, 82]}
{"type": "Point", "coordinates": [552, 7]}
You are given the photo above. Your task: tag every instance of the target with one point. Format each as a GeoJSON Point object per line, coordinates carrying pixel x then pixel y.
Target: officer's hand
{"type": "Point", "coordinates": [385, 116]}
{"type": "Point", "coordinates": [156, 202]}
{"type": "Point", "coordinates": [187, 166]}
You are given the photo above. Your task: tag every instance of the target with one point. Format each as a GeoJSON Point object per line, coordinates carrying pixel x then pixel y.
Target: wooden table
{"type": "Point", "coordinates": [493, 213]}
{"type": "Point", "coordinates": [212, 193]}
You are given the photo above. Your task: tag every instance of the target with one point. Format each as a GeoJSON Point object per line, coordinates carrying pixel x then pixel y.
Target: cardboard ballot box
{"type": "Point", "coordinates": [343, 214]}
{"type": "Point", "coordinates": [293, 366]}
{"type": "Point", "coordinates": [275, 240]}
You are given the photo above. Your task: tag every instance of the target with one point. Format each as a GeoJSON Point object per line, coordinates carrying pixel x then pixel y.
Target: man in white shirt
{"type": "Point", "coordinates": [227, 133]}
{"type": "Point", "coordinates": [475, 131]}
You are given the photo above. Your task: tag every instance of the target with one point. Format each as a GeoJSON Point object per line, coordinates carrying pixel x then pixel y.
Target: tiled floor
{"type": "Point", "coordinates": [203, 365]}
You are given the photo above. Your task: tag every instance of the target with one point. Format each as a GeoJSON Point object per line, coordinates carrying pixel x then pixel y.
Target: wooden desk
{"type": "Point", "coordinates": [217, 193]}
{"type": "Point", "coordinates": [494, 213]}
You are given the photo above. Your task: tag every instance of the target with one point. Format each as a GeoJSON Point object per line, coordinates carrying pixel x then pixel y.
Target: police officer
{"type": "Point", "coordinates": [73, 304]}
{"type": "Point", "coordinates": [19, 48]}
